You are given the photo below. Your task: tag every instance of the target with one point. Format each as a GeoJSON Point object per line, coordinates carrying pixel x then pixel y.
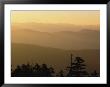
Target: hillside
{"type": "Point", "coordinates": [58, 58]}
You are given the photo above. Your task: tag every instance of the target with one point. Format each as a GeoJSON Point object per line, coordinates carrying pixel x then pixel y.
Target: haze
{"type": "Point", "coordinates": [51, 36]}
{"type": "Point", "coordinates": [80, 18]}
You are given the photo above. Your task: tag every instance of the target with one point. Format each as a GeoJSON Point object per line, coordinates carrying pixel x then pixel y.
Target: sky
{"type": "Point", "coordinates": [55, 17]}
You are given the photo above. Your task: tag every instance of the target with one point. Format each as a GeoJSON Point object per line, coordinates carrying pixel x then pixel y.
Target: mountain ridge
{"type": "Point", "coordinates": [60, 59]}
{"type": "Point", "coordinates": [63, 40]}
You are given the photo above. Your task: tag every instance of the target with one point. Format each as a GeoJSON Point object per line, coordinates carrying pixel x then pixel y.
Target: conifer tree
{"type": "Point", "coordinates": [77, 67]}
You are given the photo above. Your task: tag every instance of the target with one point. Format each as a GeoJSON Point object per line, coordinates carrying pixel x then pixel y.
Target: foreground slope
{"type": "Point", "coordinates": [58, 58]}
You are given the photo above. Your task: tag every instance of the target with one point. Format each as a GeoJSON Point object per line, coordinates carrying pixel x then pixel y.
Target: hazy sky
{"type": "Point", "coordinates": [69, 17]}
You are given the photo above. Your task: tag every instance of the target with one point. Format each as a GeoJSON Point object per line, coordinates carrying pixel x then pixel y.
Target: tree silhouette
{"type": "Point", "coordinates": [77, 68]}
{"type": "Point", "coordinates": [94, 74]}
{"type": "Point", "coordinates": [45, 71]}
{"type": "Point", "coordinates": [61, 73]}
{"type": "Point", "coordinates": [27, 70]}
{"type": "Point", "coordinates": [37, 69]}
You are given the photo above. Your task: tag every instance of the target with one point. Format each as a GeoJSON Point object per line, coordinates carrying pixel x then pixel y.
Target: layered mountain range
{"type": "Point", "coordinates": [53, 46]}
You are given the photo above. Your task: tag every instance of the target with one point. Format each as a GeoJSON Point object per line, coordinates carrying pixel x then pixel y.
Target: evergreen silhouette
{"type": "Point", "coordinates": [27, 70]}
{"type": "Point", "coordinates": [60, 74]}
{"type": "Point", "coordinates": [77, 67]}
{"type": "Point", "coordinates": [94, 74]}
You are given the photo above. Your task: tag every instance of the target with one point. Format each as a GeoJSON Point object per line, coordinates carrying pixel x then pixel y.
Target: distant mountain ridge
{"type": "Point", "coordinates": [68, 40]}
{"type": "Point", "coordinates": [45, 27]}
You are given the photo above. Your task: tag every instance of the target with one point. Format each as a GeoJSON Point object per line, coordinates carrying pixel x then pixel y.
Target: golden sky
{"type": "Point", "coordinates": [69, 17]}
